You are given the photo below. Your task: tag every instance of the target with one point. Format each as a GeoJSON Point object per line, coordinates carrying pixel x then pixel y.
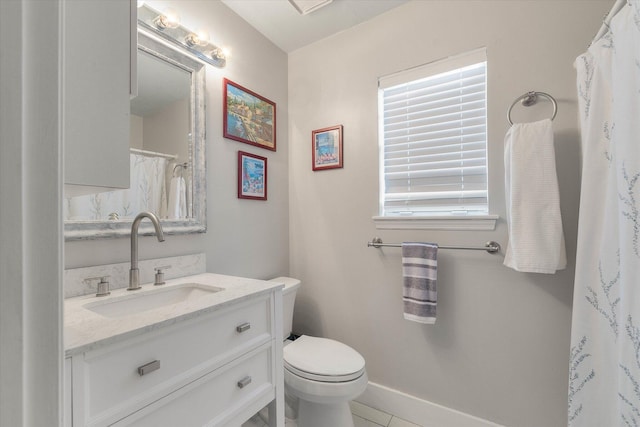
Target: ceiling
{"type": "Point", "coordinates": [280, 21]}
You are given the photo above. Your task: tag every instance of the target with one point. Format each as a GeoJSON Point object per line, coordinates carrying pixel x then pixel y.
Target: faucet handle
{"type": "Point", "coordinates": [160, 275]}
{"type": "Point", "coordinates": [103, 285]}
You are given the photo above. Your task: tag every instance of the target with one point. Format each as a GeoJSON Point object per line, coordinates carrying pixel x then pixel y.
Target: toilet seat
{"type": "Point", "coordinates": [323, 360]}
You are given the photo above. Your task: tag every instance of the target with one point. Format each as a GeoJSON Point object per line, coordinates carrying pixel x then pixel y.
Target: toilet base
{"type": "Point", "coordinates": [311, 414]}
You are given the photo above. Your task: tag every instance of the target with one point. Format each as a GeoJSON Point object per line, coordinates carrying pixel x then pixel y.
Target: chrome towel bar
{"type": "Point", "coordinates": [491, 247]}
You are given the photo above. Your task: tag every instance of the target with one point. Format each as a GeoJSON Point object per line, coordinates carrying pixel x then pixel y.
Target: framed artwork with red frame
{"type": "Point", "coordinates": [252, 176]}
{"type": "Point", "coordinates": [248, 117]}
{"type": "Point", "coordinates": [327, 148]}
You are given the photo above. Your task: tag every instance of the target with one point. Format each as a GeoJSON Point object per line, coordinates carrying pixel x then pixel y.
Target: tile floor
{"type": "Point", "coordinates": [363, 416]}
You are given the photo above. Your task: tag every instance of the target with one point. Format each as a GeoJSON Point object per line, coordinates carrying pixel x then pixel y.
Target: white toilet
{"type": "Point", "coordinates": [323, 374]}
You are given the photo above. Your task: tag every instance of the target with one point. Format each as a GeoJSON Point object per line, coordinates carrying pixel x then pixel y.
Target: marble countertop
{"type": "Point", "coordinates": [86, 330]}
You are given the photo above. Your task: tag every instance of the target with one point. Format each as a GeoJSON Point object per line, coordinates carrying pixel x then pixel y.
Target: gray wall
{"type": "Point", "coordinates": [30, 242]}
{"type": "Point", "coordinates": [499, 349]}
{"type": "Point", "coordinates": [244, 237]}
{"type": "Point", "coordinates": [167, 131]}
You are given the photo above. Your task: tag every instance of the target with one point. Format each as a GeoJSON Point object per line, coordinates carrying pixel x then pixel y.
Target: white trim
{"type": "Point", "coordinates": [465, 223]}
{"type": "Point", "coordinates": [433, 141]}
{"type": "Point", "coordinates": [419, 411]}
{"type": "Point", "coordinates": [433, 68]}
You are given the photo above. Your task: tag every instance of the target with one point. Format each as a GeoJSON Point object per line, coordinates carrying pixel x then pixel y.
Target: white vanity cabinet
{"type": "Point", "coordinates": [217, 368]}
{"type": "Point", "coordinates": [98, 55]}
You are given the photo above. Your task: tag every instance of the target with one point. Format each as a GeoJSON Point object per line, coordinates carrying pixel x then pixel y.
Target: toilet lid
{"type": "Point", "coordinates": [323, 359]}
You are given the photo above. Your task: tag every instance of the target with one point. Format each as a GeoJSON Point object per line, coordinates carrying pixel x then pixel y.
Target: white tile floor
{"type": "Point", "coordinates": [363, 416]}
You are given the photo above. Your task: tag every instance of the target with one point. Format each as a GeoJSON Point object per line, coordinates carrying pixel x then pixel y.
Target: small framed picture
{"type": "Point", "coordinates": [248, 117]}
{"type": "Point", "coordinates": [252, 176]}
{"type": "Point", "coordinates": [327, 148]}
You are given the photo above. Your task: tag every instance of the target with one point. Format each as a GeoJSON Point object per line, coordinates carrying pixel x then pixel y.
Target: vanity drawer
{"type": "Point", "coordinates": [185, 352]}
{"type": "Point", "coordinates": [216, 399]}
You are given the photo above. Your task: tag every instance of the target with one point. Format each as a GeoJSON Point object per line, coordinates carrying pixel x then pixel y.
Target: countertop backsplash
{"type": "Point", "coordinates": [185, 265]}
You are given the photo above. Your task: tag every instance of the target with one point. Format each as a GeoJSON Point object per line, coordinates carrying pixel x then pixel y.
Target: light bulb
{"type": "Point", "coordinates": [218, 54]}
{"type": "Point", "coordinates": [203, 36]}
{"type": "Point", "coordinates": [173, 18]}
{"type": "Point", "coordinates": [192, 39]}
{"type": "Point", "coordinates": [169, 19]}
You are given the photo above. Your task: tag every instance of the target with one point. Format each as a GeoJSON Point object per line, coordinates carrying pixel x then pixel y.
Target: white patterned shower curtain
{"type": "Point", "coordinates": [147, 192]}
{"type": "Point", "coordinates": [604, 374]}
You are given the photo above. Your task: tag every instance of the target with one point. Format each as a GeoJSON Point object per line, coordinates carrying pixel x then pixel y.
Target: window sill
{"type": "Point", "coordinates": [462, 223]}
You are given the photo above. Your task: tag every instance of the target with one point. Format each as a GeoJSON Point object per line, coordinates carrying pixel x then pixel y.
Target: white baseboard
{"type": "Point", "coordinates": [417, 411]}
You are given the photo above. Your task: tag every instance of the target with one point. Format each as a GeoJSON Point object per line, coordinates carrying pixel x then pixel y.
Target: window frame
{"type": "Point", "coordinates": [448, 221]}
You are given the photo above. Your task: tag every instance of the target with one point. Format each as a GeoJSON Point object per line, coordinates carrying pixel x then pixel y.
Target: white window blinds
{"type": "Point", "coordinates": [433, 139]}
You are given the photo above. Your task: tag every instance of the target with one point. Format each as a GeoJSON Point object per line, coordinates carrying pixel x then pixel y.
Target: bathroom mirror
{"type": "Point", "coordinates": [167, 157]}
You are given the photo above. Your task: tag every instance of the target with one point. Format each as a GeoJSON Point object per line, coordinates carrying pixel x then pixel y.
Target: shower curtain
{"type": "Point", "coordinates": [604, 374]}
{"type": "Point", "coordinates": [147, 192]}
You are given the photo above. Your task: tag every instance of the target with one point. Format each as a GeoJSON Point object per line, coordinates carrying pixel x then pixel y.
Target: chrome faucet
{"type": "Point", "coordinates": [134, 273]}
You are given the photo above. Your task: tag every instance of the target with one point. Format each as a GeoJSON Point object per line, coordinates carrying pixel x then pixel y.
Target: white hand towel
{"type": "Point", "coordinates": [177, 205]}
{"type": "Point", "coordinates": [419, 271]}
{"type": "Point", "coordinates": [536, 240]}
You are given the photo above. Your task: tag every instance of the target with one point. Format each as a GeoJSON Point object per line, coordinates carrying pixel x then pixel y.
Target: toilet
{"type": "Point", "coordinates": [323, 374]}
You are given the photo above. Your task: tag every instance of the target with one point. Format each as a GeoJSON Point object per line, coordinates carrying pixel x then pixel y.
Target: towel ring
{"type": "Point", "coordinates": [529, 99]}
{"type": "Point", "coordinates": [179, 165]}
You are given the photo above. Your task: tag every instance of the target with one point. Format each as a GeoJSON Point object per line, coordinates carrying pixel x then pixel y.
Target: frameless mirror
{"type": "Point", "coordinates": [167, 161]}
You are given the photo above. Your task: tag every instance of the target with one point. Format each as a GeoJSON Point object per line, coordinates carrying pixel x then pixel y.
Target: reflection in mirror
{"type": "Point", "coordinates": [160, 137]}
{"type": "Point", "coordinates": [167, 152]}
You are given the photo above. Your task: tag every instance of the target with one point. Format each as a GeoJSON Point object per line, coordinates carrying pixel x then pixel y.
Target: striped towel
{"type": "Point", "coordinates": [419, 271]}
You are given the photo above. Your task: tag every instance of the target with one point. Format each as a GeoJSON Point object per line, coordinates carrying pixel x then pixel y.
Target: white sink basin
{"type": "Point", "coordinates": [136, 302]}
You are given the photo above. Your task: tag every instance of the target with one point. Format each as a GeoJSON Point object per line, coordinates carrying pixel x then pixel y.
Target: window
{"type": "Point", "coordinates": [433, 132]}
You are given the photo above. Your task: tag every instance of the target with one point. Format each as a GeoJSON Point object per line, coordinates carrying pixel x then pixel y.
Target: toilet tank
{"type": "Point", "coordinates": [288, 300]}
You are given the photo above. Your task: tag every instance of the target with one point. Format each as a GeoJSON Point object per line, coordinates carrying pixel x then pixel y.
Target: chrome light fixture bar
{"type": "Point", "coordinates": [168, 28]}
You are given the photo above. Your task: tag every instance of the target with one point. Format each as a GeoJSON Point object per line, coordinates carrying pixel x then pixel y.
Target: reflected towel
{"type": "Point", "coordinates": [536, 240]}
{"type": "Point", "coordinates": [419, 271]}
{"type": "Point", "coordinates": [177, 204]}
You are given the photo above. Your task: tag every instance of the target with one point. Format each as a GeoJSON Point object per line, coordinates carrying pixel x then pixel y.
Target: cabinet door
{"type": "Point", "coordinates": [96, 86]}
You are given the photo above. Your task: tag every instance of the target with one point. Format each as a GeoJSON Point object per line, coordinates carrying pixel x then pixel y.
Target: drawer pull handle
{"type": "Point", "coordinates": [149, 367]}
{"type": "Point", "coordinates": [243, 327]}
{"type": "Point", "coordinates": [244, 382]}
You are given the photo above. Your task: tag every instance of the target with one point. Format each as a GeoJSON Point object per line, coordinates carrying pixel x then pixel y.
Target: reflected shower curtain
{"type": "Point", "coordinates": [604, 374]}
{"type": "Point", "coordinates": [147, 192]}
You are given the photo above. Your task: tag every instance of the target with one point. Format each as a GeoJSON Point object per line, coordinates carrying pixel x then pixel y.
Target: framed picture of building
{"type": "Point", "coordinates": [327, 148]}
{"type": "Point", "coordinates": [248, 117]}
{"type": "Point", "coordinates": [252, 176]}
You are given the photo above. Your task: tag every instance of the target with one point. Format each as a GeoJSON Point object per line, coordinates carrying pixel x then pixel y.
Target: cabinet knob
{"type": "Point", "coordinates": [244, 382]}
{"type": "Point", "coordinates": [244, 327]}
{"type": "Point", "coordinates": [149, 367]}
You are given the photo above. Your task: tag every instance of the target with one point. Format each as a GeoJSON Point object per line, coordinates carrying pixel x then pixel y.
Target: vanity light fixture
{"type": "Point", "coordinates": [167, 26]}
{"type": "Point", "coordinates": [168, 19]}
{"type": "Point", "coordinates": [218, 54]}
{"type": "Point", "coordinates": [192, 39]}
{"type": "Point", "coordinates": [200, 38]}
